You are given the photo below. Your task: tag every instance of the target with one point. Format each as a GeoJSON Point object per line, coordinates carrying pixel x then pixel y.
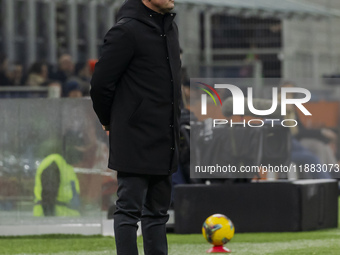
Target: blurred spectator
{"type": "Point", "coordinates": [309, 146]}
{"type": "Point", "coordinates": [37, 74]}
{"type": "Point", "coordinates": [185, 82]}
{"type": "Point", "coordinates": [185, 94]}
{"type": "Point", "coordinates": [82, 77]}
{"type": "Point", "coordinates": [65, 69]}
{"type": "Point", "coordinates": [56, 187]}
{"type": "Point", "coordinates": [72, 89]}
{"type": "Point", "coordinates": [95, 153]}
{"type": "Point", "coordinates": [4, 77]}
{"type": "Point", "coordinates": [17, 75]}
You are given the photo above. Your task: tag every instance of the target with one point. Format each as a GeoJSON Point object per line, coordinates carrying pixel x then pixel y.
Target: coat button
{"type": "Point", "coordinates": [172, 102]}
{"type": "Point", "coordinates": [171, 126]}
{"type": "Point", "coordinates": [167, 57]}
{"type": "Point", "coordinates": [150, 15]}
{"type": "Point", "coordinates": [172, 80]}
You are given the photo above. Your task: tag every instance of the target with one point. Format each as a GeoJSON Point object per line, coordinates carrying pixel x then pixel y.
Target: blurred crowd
{"type": "Point", "coordinates": [69, 78]}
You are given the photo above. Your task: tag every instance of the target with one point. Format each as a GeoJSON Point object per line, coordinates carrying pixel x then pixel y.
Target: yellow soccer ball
{"type": "Point", "coordinates": [218, 229]}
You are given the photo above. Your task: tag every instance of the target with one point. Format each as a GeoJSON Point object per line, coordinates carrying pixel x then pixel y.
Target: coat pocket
{"type": "Point", "coordinates": [138, 112]}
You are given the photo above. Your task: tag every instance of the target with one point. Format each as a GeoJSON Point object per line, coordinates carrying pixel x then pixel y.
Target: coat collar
{"type": "Point", "coordinates": [135, 9]}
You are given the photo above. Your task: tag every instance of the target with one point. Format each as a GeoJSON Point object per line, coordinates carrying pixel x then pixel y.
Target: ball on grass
{"type": "Point", "coordinates": [218, 229]}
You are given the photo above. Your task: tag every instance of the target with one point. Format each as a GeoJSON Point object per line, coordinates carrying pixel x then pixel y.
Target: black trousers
{"type": "Point", "coordinates": [144, 198]}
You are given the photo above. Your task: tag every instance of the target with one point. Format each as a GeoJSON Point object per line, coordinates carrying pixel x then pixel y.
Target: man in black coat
{"type": "Point", "coordinates": [136, 95]}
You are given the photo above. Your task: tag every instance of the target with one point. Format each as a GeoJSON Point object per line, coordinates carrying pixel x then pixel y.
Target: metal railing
{"type": "Point", "coordinates": [29, 92]}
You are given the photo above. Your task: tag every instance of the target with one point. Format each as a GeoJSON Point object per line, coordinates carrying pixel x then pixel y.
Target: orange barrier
{"type": "Point", "coordinates": [324, 114]}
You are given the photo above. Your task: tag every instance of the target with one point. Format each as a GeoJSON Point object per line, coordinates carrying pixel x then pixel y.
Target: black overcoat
{"type": "Point", "coordinates": [136, 90]}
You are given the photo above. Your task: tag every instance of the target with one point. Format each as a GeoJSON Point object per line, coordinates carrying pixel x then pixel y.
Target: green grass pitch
{"type": "Point", "coordinates": [313, 242]}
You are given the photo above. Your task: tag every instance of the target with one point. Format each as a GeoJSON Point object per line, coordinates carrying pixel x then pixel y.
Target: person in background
{"type": "Point", "coordinates": [37, 74]}
{"type": "Point", "coordinates": [56, 187]}
{"type": "Point", "coordinates": [65, 69]}
{"type": "Point", "coordinates": [82, 77]}
{"type": "Point", "coordinates": [72, 89]}
{"type": "Point", "coordinates": [4, 74]}
{"type": "Point", "coordinates": [17, 75]}
{"type": "Point", "coordinates": [309, 146]}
